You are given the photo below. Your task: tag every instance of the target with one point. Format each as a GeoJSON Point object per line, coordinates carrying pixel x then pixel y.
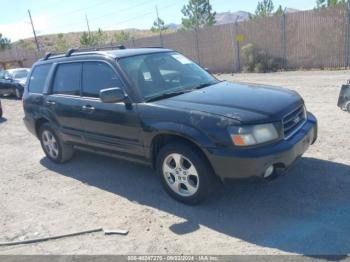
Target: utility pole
{"type": "Point", "coordinates": [159, 27]}
{"type": "Point", "coordinates": [36, 39]}
{"type": "Point", "coordinates": [88, 26]}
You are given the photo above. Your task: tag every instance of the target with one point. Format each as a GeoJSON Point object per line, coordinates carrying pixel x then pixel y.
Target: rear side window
{"type": "Point", "coordinates": [38, 78]}
{"type": "Point", "coordinates": [67, 79]}
{"type": "Point", "coordinates": [97, 76]}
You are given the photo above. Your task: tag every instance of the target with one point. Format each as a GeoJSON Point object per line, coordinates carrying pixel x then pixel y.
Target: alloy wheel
{"type": "Point", "coordinates": [50, 144]}
{"type": "Point", "coordinates": [180, 174]}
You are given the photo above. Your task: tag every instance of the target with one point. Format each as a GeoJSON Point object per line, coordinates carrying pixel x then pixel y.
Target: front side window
{"type": "Point", "coordinates": [159, 73]}
{"type": "Point", "coordinates": [67, 79]}
{"type": "Point", "coordinates": [98, 76]}
{"type": "Point", "coordinates": [38, 78]}
{"type": "Point", "coordinates": [20, 73]}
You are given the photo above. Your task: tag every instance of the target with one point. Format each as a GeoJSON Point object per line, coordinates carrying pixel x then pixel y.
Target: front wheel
{"type": "Point", "coordinates": [52, 145]}
{"type": "Point", "coordinates": [185, 173]}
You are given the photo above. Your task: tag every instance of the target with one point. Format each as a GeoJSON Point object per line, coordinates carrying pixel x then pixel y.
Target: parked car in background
{"type": "Point", "coordinates": [155, 106]}
{"type": "Point", "coordinates": [12, 81]}
{"type": "Point", "coordinates": [344, 97]}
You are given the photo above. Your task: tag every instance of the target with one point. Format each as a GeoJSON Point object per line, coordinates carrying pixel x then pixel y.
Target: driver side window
{"type": "Point", "coordinates": [98, 76]}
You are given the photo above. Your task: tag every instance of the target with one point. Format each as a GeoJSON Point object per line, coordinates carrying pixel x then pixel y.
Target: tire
{"type": "Point", "coordinates": [348, 107]}
{"type": "Point", "coordinates": [18, 93]}
{"type": "Point", "coordinates": [189, 182]}
{"type": "Point", "coordinates": [53, 147]}
{"type": "Point", "coordinates": [0, 112]}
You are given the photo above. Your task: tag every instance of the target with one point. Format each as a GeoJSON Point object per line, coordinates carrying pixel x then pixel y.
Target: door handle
{"type": "Point", "coordinates": [49, 102]}
{"type": "Point", "coordinates": [88, 108]}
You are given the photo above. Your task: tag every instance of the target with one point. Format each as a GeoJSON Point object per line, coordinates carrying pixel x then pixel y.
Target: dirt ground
{"type": "Point", "coordinates": [306, 211]}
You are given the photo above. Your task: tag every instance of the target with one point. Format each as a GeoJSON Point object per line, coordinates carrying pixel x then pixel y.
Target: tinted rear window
{"type": "Point", "coordinates": [98, 76]}
{"type": "Point", "coordinates": [67, 79]}
{"type": "Point", "coordinates": [38, 78]}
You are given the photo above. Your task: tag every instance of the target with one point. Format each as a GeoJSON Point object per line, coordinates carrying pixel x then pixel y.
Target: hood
{"type": "Point", "coordinates": [247, 103]}
{"type": "Point", "coordinates": [21, 81]}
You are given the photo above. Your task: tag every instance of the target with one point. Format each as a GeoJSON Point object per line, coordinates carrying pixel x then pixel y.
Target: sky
{"type": "Point", "coordinates": [55, 16]}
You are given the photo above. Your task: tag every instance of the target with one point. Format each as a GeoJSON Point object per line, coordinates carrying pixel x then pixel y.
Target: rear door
{"type": "Point", "coordinates": [6, 83]}
{"type": "Point", "coordinates": [112, 126]}
{"type": "Point", "coordinates": [64, 101]}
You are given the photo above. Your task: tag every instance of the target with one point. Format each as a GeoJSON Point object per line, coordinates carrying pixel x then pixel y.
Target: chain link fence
{"type": "Point", "coordinates": [308, 39]}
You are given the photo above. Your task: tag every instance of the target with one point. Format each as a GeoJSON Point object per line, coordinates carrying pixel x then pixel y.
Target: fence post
{"type": "Point", "coordinates": [346, 46]}
{"type": "Point", "coordinates": [238, 68]}
{"type": "Point", "coordinates": [197, 44]}
{"type": "Point", "coordinates": [283, 41]}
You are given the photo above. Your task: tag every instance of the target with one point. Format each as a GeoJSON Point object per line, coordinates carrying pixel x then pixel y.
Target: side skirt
{"type": "Point", "coordinates": [114, 155]}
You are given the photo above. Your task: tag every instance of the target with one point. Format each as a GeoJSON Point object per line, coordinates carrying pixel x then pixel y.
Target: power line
{"type": "Point", "coordinates": [143, 15]}
{"type": "Point", "coordinates": [122, 10]}
{"type": "Point", "coordinates": [103, 16]}
{"type": "Point", "coordinates": [140, 15]}
{"type": "Point", "coordinates": [81, 9]}
{"type": "Point", "coordinates": [106, 15]}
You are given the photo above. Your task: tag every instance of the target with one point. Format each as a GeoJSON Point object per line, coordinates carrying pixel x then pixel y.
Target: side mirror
{"type": "Point", "coordinates": [112, 95]}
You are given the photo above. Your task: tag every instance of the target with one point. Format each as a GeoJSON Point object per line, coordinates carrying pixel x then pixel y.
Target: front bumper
{"type": "Point", "coordinates": [252, 162]}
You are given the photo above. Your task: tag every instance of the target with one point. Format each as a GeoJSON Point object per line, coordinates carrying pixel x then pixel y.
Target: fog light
{"type": "Point", "coordinates": [268, 171]}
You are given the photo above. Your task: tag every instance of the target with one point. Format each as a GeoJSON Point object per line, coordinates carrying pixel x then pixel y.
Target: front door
{"type": "Point", "coordinates": [112, 126]}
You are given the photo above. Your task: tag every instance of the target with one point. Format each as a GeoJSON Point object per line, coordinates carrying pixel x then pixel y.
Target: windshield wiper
{"type": "Point", "coordinates": [178, 92]}
{"type": "Point", "coordinates": [167, 95]}
{"type": "Point", "coordinates": [203, 85]}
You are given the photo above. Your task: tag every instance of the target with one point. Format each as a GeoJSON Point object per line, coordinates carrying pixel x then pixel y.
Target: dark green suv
{"type": "Point", "coordinates": [157, 107]}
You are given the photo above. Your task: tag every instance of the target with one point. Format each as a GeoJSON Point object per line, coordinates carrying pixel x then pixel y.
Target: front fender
{"type": "Point", "coordinates": [177, 129]}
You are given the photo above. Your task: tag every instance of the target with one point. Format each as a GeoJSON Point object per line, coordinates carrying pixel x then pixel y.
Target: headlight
{"type": "Point", "coordinates": [252, 135]}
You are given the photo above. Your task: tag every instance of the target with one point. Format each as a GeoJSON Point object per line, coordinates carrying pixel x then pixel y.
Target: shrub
{"type": "Point", "coordinates": [258, 60]}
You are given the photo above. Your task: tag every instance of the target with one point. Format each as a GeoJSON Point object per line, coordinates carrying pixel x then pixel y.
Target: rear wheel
{"type": "Point", "coordinates": [18, 93]}
{"type": "Point", "coordinates": [52, 145]}
{"type": "Point", "coordinates": [348, 107]}
{"type": "Point", "coordinates": [185, 174]}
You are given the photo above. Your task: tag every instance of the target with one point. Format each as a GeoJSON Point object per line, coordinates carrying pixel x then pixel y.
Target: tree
{"type": "Point", "coordinates": [122, 36]}
{"type": "Point", "coordinates": [279, 11]}
{"type": "Point", "coordinates": [158, 25]}
{"type": "Point", "coordinates": [328, 3]}
{"type": "Point", "coordinates": [264, 8]}
{"type": "Point", "coordinates": [61, 43]}
{"type": "Point", "coordinates": [198, 13]}
{"type": "Point", "coordinates": [4, 42]}
{"type": "Point", "coordinates": [87, 39]}
{"type": "Point", "coordinates": [100, 37]}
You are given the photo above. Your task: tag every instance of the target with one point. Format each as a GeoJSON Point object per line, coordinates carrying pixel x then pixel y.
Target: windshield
{"type": "Point", "coordinates": [162, 73]}
{"type": "Point", "coordinates": [20, 74]}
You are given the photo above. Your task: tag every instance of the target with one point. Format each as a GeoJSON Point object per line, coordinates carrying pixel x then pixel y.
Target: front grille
{"type": "Point", "coordinates": [293, 121]}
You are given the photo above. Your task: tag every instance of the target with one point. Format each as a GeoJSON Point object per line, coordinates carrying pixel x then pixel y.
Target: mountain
{"type": "Point", "coordinates": [291, 10]}
{"type": "Point", "coordinates": [173, 26]}
{"type": "Point", "coordinates": [231, 17]}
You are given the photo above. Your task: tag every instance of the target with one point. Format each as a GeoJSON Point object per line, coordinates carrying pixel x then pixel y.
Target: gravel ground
{"type": "Point", "coordinates": [306, 211]}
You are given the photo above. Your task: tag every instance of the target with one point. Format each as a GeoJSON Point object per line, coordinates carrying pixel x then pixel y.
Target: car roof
{"type": "Point", "coordinates": [114, 53]}
{"type": "Point", "coordinates": [17, 69]}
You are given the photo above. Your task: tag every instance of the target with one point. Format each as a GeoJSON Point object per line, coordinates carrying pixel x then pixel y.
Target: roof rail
{"type": "Point", "coordinates": [74, 50]}
{"type": "Point", "coordinates": [49, 54]}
